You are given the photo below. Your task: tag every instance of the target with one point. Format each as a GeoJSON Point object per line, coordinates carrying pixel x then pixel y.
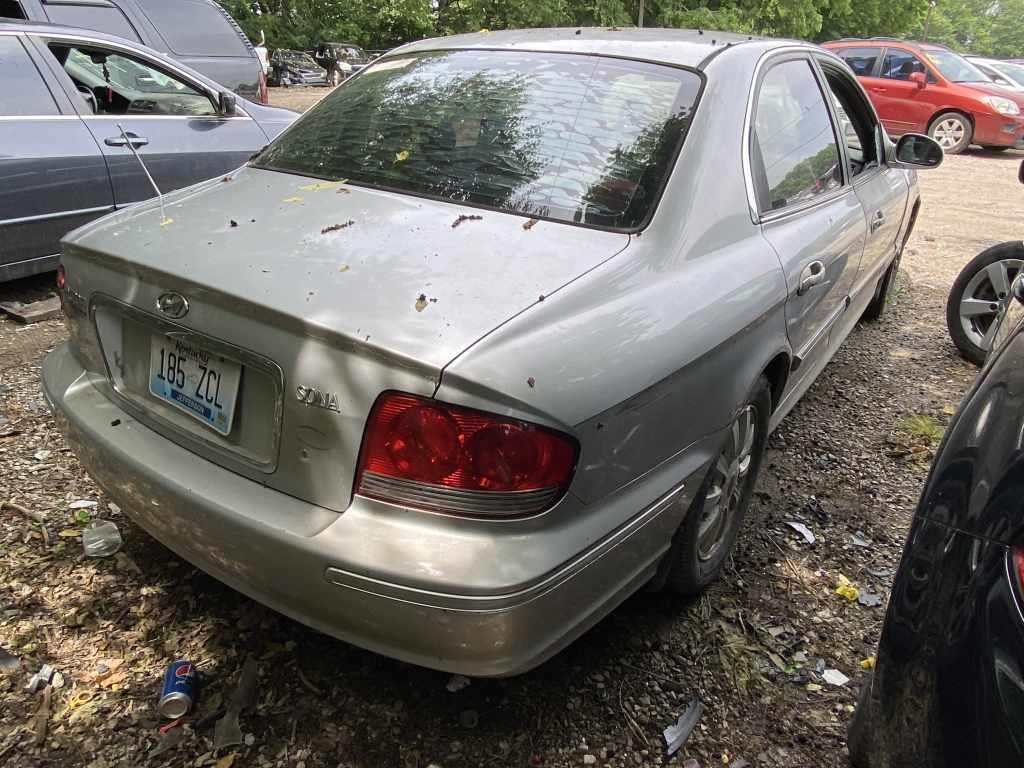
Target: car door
{"type": "Point", "coordinates": [903, 105]}
{"type": "Point", "coordinates": [172, 120]}
{"type": "Point", "coordinates": [881, 189]}
{"type": "Point", "coordinates": [54, 176]}
{"type": "Point", "coordinates": [806, 206]}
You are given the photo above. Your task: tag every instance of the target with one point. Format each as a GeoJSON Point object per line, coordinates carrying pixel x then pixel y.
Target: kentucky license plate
{"type": "Point", "coordinates": [199, 382]}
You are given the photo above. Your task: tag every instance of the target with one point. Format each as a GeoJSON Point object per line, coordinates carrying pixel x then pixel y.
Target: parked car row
{"type": "Point", "coordinates": [927, 88]}
{"type": "Point", "coordinates": [71, 102]}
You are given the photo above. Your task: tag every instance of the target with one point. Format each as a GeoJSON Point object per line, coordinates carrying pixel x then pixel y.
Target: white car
{"type": "Point", "coordinates": [1004, 73]}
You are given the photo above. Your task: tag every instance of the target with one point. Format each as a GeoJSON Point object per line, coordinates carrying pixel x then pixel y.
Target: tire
{"type": "Point", "coordinates": [858, 734]}
{"type": "Point", "coordinates": [883, 292]}
{"type": "Point", "coordinates": [977, 296]}
{"type": "Point", "coordinates": [953, 131]}
{"type": "Point", "coordinates": [703, 542]}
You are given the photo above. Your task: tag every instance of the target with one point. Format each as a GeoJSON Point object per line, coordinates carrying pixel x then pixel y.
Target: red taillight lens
{"type": "Point", "coordinates": [1018, 562]}
{"type": "Point", "coordinates": [442, 457]}
{"type": "Point", "coordinates": [62, 279]}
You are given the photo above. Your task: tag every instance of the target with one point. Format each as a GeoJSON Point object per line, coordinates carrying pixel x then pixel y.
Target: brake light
{"type": "Point", "coordinates": [446, 458]}
{"type": "Point", "coordinates": [62, 278]}
{"type": "Point", "coordinates": [1018, 562]}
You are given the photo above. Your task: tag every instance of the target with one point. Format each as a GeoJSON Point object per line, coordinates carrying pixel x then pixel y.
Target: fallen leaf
{"type": "Point", "coordinates": [401, 157]}
{"type": "Point", "coordinates": [227, 761]}
{"type": "Point", "coordinates": [114, 679]}
{"type": "Point", "coordinates": [528, 225]}
{"type": "Point", "coordinates": [868, 663]}
{"type": "Point", "coordinates": [317, 186]}
{"type": "Point", "coordinates": [70, 533]}
{"type": "Point", "coordinates": [343, 268]}
{"type": "Point", "coordinates": [421, 302]}
{"type": "Point", "coordinates": [845, 588]}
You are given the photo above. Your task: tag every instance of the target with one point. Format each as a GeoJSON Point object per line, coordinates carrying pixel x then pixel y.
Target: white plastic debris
{"type": "Point", "coordinates": [835, 677]}
{"type": "Point", "coordinates": [802, 529]}
{"type": "Point", "coordinates": [83, 504]}
{"type": "Point", "coordinates": [676, 735]}
{"type": "Point", "coordinates": [457, 683]}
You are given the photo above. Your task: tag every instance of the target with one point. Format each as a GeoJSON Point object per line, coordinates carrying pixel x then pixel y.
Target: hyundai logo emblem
{"type": "Point", "coordinates": [172, 304]}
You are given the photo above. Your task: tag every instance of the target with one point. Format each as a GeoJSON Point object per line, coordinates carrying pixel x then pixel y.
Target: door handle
{"type": "Point", "coordinates": [811, 275]}
{"type": "Point", "coordinates": [120, 141]}
{"type": "Point", "coordinates": [877, 221]}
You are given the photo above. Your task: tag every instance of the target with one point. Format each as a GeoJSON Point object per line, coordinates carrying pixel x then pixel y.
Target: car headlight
{"type": "Point", "coordinates": [1001, 105]}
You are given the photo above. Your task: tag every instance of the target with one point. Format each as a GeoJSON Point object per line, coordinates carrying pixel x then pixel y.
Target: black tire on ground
{"type": "Point", "coordinates": [1002, 252]}
{"type": "Point", "coordinates": [883, 292]}
{"type": "Point", "coordinates": [950, 119]}
{"type": "Point", "coordinates": [858, 734]}
{"type": "Point", "coordinates": [685, 572]}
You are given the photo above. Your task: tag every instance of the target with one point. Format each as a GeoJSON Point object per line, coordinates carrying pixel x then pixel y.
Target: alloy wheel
{"type": "Point", "coordinates": [983, 298]}
{"type": "Point", "coordinates": [949, 132]}
{"type": "Point", "coordinates": [728, 481]}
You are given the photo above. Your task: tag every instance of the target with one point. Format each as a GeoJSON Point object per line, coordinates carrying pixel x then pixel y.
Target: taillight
{"type": "Point", "coordinates": [446, 458]}
{"type": "Point", "coordinates": [62, 279]}
{"type": "Point", "coordinates": [264, 94]}
{"type": "Point", "coordinates": [1018, 563]}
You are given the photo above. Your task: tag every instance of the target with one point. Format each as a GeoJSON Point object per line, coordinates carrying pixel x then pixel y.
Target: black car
{"type": "Point", "coordinates": [289, 67]}
{"type": "Point", "coordinates": [198, 33]}
{"type": "Point", "coordinates": [948, 686]}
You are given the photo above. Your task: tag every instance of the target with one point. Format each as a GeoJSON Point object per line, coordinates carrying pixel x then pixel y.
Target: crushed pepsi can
{"type": "Point", "coordinates": [179, 691]}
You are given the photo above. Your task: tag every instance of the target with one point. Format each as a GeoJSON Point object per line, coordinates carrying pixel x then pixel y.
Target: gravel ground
{"type": "Point", "coordinates": [848, 462]}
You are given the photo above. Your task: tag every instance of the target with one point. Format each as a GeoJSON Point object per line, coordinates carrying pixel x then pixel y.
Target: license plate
{"type": "Point", "coordinates": [194, 380]}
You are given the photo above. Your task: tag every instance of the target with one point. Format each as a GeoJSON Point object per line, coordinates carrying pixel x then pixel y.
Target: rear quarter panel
{"type": "Point", "coordinates": [656, 348]}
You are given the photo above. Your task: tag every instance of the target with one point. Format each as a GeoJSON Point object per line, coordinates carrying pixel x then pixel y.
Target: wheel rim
{"type": "Point", "coordinates": [949, 132]}
{"type": "Point", "coordinates": [983, 299]}
{"type": "Point", "coordinates": [728, 481]}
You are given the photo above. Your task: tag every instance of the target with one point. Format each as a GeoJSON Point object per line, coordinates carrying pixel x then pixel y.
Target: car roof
{"type": "Point", "coordinates": [682, 47]}
{"type": "Point", "coordinates": [883, 42]}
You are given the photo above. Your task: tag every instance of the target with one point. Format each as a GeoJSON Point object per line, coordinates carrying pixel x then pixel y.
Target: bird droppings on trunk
{"type": "Point", "coordinates": [464, 217]}
{"type": "Point", "coordinates": [337, 227]}
{"type": "Point", "coordinates": [528, 225]}
{"type": "Point", "coordinates": [343, 268]}
{"type": "Point", "coordinates": [421, 302]}
{"type": "Point", "coordinates": [318, 186]}
{"type": "Point", "coordinates": [233, 223]}
{"type": "Point", "coordinates": [292, 199]}
{"type": "Point", "coordinates": [532, 382]}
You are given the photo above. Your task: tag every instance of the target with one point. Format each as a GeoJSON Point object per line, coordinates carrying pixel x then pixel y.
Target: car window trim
{"type": "Point", "coordinates": [764, 64]}
{"type": "Point", "coordinates": [46, 38]}
{"type": "Point", "coordinates": [397, 53]}
{"type": "Point", "coordinates": [823, 62]}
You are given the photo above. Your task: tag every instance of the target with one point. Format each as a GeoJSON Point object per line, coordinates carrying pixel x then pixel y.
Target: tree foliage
{"type": "Point", "coordinates": [994, 27]}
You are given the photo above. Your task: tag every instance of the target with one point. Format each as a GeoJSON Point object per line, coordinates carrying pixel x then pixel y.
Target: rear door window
{"type": "Point", "coordinates": [900, 65]}
{"type": "Point", "coordinates": [580, 139]}
{"type": "Point", "coordinates": [109, 19]}
{"type": "Point", "coordinates": [796, 156]}
{"type": "Point", "coordinates": [861, 60]}
{"type": "Point", "coordinates": [24, 93]}
{"type": "Point", "coordinates": [195, 28]}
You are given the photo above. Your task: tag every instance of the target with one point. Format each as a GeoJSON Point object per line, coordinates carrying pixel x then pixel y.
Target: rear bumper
{"type": "Point", "coordinates": [473, 597]}
{"type": "Point", "coordinates": [999, 130]}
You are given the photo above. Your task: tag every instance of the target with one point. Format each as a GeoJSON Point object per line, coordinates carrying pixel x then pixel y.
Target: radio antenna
{"type": "Point", "coordinates": [160, 196]}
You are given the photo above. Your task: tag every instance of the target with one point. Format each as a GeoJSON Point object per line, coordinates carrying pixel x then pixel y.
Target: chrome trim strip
{"type": "Point", "coordinates": [508, 600]}
{"type": "Point", "coordinates": [36, 118]}
{"type": "Point", "coordinates": [57, 215]}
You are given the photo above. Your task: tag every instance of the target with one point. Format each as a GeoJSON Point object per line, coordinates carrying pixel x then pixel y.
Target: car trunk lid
{"type": "Point", "coordinates": [325, 295]}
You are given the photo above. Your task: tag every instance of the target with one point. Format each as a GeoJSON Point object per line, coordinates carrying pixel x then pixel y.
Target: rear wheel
{"type": "Point", "coordinates": [977, 296]}
{"type": "Point", "coordinates": [858, 734]}
{"type": "Point", "coordinates": [953, 131]}
{"type": "Point", "coordinates": [709, 530]}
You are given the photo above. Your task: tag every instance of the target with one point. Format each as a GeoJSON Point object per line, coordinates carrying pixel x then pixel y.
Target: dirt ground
{"type": "Point", "coordinates": [848, 463]}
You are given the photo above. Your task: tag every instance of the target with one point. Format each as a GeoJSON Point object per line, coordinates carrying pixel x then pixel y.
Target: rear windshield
{"type": "Point", "coordinates": [580, 139]}
{"type": "Point", "coordinates": [195, 28]}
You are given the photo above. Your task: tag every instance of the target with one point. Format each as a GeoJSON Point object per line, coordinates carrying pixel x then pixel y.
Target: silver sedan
{"type": "Point", "coordinates": [491, 337]}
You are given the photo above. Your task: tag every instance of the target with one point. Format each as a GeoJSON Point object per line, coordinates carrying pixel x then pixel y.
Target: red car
{"type": "Point", "coordinates": [927, 88]}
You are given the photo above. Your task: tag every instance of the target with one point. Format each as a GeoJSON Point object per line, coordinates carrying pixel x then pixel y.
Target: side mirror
{"type": "Point", "coordinates": [919, 78]}
{"type": "Point", "coordinates": [918, 151]}
{"type": "Point", "coordinates": [226, 103]}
